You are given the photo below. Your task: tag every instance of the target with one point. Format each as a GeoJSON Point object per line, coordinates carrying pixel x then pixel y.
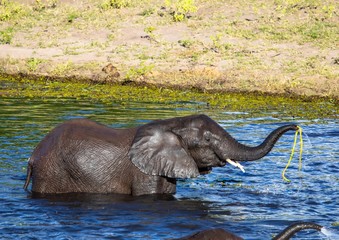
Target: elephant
{"type": "Point", "coordinates": [81, 155]}
{"type": "Point", "coordinates": [219, 233]}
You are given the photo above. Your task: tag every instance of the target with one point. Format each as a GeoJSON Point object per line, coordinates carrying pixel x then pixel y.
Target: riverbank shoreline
{"type": "Point", "coordinates": [217, 47]}
{"type": "Point", "coordinates": [23, 77]}
{"type": "Point", "coordinates": [253, 104]}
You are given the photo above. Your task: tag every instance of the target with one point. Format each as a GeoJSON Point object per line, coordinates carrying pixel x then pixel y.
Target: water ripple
{"type": "Point", "coordinates": [255, 204]}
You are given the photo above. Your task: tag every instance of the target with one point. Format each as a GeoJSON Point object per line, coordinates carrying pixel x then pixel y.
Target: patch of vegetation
{"type": "Point", "coordinates": [10, 10]}
{"type": "Point", "coordinates": [236, 30]}
{"type": "Point", "coordinates": [6, 35]}
{"type": "Point", "coordinates": [72, 50]}
{"type": "Point", "coordinates": [149, 29]}
{"type": "Point", "coordinates": [139, 72]}
{"type": "Point", "coordinates": [33, 64]}
{"type": "Point", "coordinates": [186, 43]}
{"type": "Point", "coordinates": [107, 4]}
{"type": "Point", "coordinates": [302, 21]}
{"type": "Point", "coordinates": [311, 66]}
{"type": "Point", "coordinates": [41, 5]}
{"type": "Point", "coordinates": [181, 9]}
{"type": "Point", "coordinates": [321, 32]}
{"type": "Point", "coordinates": [291, 6]}
{"type": "Point", "coordinates": [148, 12]}
{"type": "Point", "coordinates": [97, 44]}
{"type": "Point", "coordinates": [144, 56]}
{"type": "Point", "coordinates": [72, 16]}
{"type": "Point", "coordinates": [218, 45]}
{"type": "Point", "coordinates": [63, 69]}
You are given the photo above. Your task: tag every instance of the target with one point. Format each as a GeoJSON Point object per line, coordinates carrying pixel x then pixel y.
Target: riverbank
{"type": "Point", "coordinates": [285, 48]}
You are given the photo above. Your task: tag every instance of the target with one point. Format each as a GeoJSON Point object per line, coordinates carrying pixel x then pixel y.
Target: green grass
{"type": "Point", "coordinates": [33, 64]}
{"type": "Point", "coordinates": [181, 9]}
{"type": "Point", "coordinates": [6, 35]}
{"type": "Point", "coordinates": [63, 69]}
{"type": "Point", "coordinates": [117, 4]}
{"type": "Point", "coordinates": [140, 71]}
{"type": "Point", "coordinates": [41, 5]}
{"type": "Point", "coordinates": [280, 21]}
{"type": "Point", "coordinates": [10, 10]}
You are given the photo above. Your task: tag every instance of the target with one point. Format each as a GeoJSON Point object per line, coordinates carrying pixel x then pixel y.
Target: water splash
{"type": "Point", "coordinates": [329, 234]}
{"type": "Point", "coordinates": [305, 135]}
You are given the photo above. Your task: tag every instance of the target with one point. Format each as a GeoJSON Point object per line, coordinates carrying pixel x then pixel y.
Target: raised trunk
{"type": "Point", "coordinates": [288, 232]}
{"type": "Point", "coordinates": [232, 149]}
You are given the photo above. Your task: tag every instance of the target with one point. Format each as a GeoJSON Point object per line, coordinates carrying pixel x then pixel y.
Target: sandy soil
{"type": "Point", "coordinates": [128, 46]}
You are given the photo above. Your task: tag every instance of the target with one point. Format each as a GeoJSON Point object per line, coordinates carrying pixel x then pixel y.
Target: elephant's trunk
{"type": "Point", "coordinates": [288, 232]}
{"type": "Point", "coordinates": [232, 149]}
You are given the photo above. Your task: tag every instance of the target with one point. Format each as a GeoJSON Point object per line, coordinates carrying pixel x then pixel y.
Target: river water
{"type": "Point", "coordinates": [256, 204]}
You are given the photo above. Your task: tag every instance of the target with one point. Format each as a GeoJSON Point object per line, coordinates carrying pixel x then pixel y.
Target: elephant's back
{"type": "Point", "coordinates": [88, 129]}
{"type": "Point", "coordinates": [80, 149]}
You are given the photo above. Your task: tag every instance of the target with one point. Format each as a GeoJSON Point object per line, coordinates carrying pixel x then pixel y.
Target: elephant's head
{"type": "Point", "coordinates": [185, 147]}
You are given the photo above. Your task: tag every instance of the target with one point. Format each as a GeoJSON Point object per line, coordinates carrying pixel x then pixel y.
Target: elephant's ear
{"type": "Point", "coordinates": [156, 151]}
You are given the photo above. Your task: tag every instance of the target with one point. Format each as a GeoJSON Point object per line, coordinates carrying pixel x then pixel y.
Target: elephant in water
{"type": "Point", "coordinates": [84, 156]}
{"type": "Point", "coordinates": [220, 234]}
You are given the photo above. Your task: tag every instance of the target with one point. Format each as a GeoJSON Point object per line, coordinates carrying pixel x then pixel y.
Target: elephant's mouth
{"type": "Point", "coordinates": [205, 170]}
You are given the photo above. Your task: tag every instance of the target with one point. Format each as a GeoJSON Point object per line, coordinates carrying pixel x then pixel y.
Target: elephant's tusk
{"type": "Point", "coordinates": [236, 164]}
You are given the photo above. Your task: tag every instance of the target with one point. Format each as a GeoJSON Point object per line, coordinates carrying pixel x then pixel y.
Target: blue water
{"type": "Point", "coordinates": [256, 204]}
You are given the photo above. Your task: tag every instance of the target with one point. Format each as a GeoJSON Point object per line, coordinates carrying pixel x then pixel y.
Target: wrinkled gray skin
{"type": "Point", "coordinates": [84, 156]}
{"type": "Point", "coordinates": [221, 234]}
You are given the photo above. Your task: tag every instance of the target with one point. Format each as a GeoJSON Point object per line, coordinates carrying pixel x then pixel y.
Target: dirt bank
{"type": "Point", "coordinates": [275, 47]}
